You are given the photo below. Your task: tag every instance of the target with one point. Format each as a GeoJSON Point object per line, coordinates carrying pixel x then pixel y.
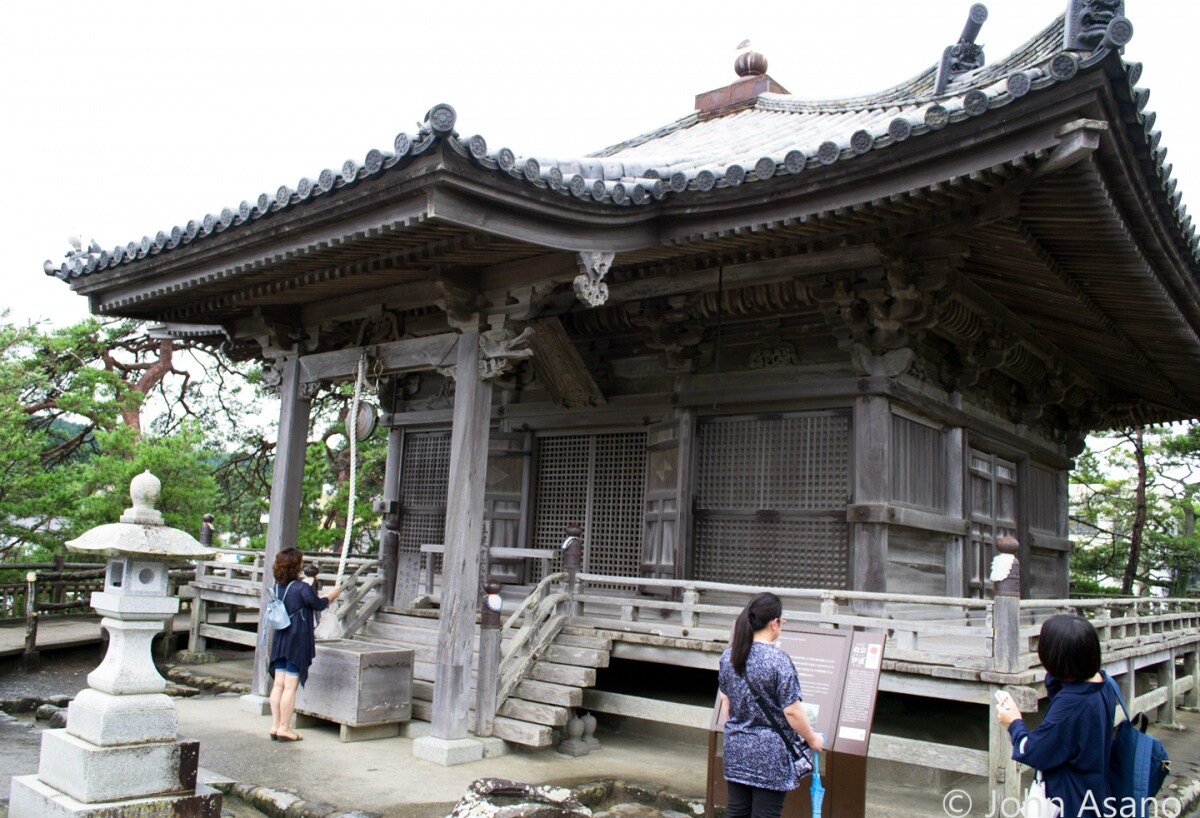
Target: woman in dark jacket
{"type": "Point", "coordinates": [1072, 744]}
{"type": "Point", "coordinates": [759, 769]}
{"type": "Point", "coordinates": [293, 648]}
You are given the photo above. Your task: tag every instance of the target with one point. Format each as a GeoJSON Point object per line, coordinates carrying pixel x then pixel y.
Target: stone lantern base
{"type": "Point", "coordinates": [29, 796]}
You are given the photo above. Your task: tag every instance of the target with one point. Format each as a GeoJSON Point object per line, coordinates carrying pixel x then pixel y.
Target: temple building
{"type": "Point", "coordinates": [841, 344]}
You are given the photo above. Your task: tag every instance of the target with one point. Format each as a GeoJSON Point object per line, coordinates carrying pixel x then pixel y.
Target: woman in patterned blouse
{"type": "Point", "coordinates": [759, 769]}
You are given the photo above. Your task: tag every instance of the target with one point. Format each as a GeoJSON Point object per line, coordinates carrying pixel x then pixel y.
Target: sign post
{"type": "Point", "coordinates": [839, 680]}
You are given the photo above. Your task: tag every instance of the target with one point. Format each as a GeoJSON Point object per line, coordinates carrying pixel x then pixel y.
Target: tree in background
{"type": "Point", "coordinates": [84, 408]}
{"type": "Point", "coordinates": [1133, 512]}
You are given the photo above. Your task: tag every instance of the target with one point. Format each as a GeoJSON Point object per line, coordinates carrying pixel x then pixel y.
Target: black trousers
{"type": "Point", "coordinates": [753, 802]}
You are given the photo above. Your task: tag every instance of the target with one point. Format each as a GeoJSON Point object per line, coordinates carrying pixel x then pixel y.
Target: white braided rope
{"type": "Point", "coordinates": [352, 430]}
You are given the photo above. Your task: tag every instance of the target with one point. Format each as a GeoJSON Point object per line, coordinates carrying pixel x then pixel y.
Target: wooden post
{"type": "Point", "coordinates": [487, 675]}
{"type": "Point", "coordinates": [284, 520]}
{"type": "Point", "coordinates": [956, 547]}
{"type": "Point", "coordinates": [1003, 775]}
{"type": "Point", "coordinates": [389, 539]}
{"type": "Point", "coordinates": [30, 657]}
{"type": "Point", "coordinates": [872, 485]}
{"type": "Point", "coordinates": [196, 642]}
{"type": "Point", "coordinates": [464, 530]}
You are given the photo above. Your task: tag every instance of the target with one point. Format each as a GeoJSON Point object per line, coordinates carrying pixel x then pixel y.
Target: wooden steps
{"type": "Point", "coordinates": [539, 705]}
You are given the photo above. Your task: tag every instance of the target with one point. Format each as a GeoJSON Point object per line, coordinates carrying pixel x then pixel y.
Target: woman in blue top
{"type": "Point", "coordinates": [1072, 744]}
{"type": "Point", "coordinates": [293, 648]}
{"type": "Point", "coordinates": [759, 770]}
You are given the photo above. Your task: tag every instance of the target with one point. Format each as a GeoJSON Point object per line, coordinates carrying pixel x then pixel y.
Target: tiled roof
{"type": "Point", "coordinates": [777, 135]}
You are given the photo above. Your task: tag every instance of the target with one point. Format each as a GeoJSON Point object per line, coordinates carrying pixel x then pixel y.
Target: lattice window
{"type": "Point", "coordinates": [597, 481]}
{"type": "Point", "coordinates": [993, 512]}
{"type": "Point", "coordinates": [424, 473]}
{"type": "Point", "coordinates": [771, 496]}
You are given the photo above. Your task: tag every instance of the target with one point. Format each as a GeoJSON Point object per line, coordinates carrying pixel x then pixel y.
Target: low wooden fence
{"type": "Point", "coordinates": [56, 588]}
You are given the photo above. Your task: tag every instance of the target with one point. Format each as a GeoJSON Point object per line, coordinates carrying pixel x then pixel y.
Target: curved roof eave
{"type": "Point", "coordinates": [634, 175]}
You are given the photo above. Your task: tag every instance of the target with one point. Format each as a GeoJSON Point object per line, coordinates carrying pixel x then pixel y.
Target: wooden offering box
{"type": "Point", "coordinates": [358, 684]}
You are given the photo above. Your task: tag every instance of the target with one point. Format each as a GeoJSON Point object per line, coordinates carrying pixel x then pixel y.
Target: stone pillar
{"type": "Point", "coordinates": [448, 742]}
{"type": "Point", "coordinates": [119, 754]}
{"type": "Point", "coordinates": [284, 520]}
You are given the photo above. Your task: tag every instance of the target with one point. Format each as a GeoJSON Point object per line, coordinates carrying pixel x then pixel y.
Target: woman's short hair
{"type": "Point", "coordinates": [1069, 648]}
{"type": "Point", "coordinates": [287, 565]}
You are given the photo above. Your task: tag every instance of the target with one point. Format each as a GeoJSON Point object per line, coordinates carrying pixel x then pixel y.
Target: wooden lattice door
{"type": "Point", "coordinates": [424, 473]}
{"type": "Point", "coordinates": [993, 495]}
{"type": "Point", "coordinates": [770, 501]}
{"type": "Point", "coordinates": [597, 481]}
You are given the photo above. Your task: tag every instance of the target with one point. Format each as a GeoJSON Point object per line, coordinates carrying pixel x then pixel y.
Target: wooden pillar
{"type": "Point", "coordinates": [389, 546]}
{"type": "Point", "coordinates": [464, 532]}
{"type": "Point", "coordinates": [872, 486]}
{"type": "Point", "coordinates": [1004, 776]}
{"type": "Point", "coordinates": [284, 519]}
{"type": "Point", "coordinates": [956, 548]}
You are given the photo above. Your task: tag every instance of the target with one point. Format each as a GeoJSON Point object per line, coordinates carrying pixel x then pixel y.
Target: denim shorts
{"type": "Point", "coordinates": [286, 666]}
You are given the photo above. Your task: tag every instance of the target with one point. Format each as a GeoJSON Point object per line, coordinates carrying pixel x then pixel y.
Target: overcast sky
{"type": "Point", "coordinates": [124, 118]}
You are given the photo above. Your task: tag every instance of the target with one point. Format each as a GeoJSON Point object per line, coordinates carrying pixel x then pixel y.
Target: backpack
{"type": "Point", "coordinates": [1138, 763]}
{"type": "Point", "coordinates": [277, 616]}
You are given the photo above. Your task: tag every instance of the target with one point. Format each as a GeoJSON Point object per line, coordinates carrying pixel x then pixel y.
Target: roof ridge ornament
{"type": "Point", "coordinates": [1095, 24]}
{"type": "Point", "coordinates": [965, 55]}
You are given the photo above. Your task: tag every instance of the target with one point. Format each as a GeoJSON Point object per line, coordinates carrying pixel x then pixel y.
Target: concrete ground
{"type": "Point", "coordinates": [382, 776]}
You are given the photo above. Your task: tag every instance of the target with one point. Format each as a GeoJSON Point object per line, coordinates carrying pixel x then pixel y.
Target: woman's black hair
{"type": "Point", "coordinates": [1069, 648]}
{"type": "Point", "coordinates": [757, 614]}
{"type": "Point", "coordinates": [287, 565]}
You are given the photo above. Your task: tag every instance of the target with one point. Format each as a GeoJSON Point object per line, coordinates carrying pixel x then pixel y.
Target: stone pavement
{"type": "Point", "coordinates": [654, 777]}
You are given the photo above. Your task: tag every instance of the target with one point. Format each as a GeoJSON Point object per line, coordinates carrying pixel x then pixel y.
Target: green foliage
{"type": "Point", "coordinates": [1104, 512]}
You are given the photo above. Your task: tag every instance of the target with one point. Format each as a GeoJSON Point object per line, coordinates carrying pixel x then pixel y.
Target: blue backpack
{"type": "Point", "coordinates": [1138, 763]}
{"type": "Point", "coordinates": [276, 615]}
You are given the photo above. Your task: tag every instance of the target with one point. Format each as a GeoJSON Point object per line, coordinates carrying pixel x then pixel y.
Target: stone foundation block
{"type": "Point", "coordinates": [93, 774]}
{"type": "Point", "coordinates": [106, 720]}
{"type": "Point", "coordinates": [30, 798]}
{"type": "Point", "coordinates": [448, 752]}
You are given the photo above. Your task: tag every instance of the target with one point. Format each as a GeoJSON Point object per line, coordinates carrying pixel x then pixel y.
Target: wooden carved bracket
{"type": "Point", "coordinates": [590, 287]}
{"type": "Point", "coordinates": [501, 349]}
{"type": "Point", "coordinates": [882, 310]}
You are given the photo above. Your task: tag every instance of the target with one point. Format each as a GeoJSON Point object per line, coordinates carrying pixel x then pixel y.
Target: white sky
{"type": "Point", "coordinates": [124, 118]}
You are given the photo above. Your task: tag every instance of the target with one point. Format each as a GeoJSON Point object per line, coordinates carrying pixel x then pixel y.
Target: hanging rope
{"type": "Point", "coordinates": [352, 430]}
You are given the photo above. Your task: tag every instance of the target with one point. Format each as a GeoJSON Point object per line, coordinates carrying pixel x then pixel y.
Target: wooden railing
{"type": "Point", "coordinates": [235, 579]}
{"type": "Point", "coordinates": [542, 614]}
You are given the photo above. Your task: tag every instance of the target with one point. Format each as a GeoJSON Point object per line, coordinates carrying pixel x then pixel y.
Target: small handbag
{"type": "Point", "coordinates": [1037, 805]}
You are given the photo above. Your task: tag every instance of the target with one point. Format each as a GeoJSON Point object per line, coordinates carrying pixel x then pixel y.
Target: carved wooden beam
{"type": "Point", "coordinates": [559, 367]}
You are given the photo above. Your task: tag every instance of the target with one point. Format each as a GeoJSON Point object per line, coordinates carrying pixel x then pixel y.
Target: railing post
{"type": "Point", "coordinates": [690, 598]}
{"type": "Point", "coordinates": [1003, 776]}
{"type": "Point", "coordinates": [488, 673]}
{"type": "Point", "coordinates": [29, 658]}
{"type": "Point", "coordinates": [56, 593]}
{"type": "Point", "coordinates": [572, 561]}
{"type": "Point", "coordinates": [1191, 667]}
{"type": "Point", "coordinates": [829, 607]}
{"type": "Point", "coordinates": [1166, 678]}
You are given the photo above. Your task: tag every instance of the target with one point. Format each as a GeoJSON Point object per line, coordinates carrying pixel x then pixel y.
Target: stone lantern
{"type": "Point", "coordinates": [119, 754]}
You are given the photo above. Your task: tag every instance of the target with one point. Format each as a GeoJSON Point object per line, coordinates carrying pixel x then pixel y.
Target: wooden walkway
{"type": "Point", "coordinates": [63, 632]}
